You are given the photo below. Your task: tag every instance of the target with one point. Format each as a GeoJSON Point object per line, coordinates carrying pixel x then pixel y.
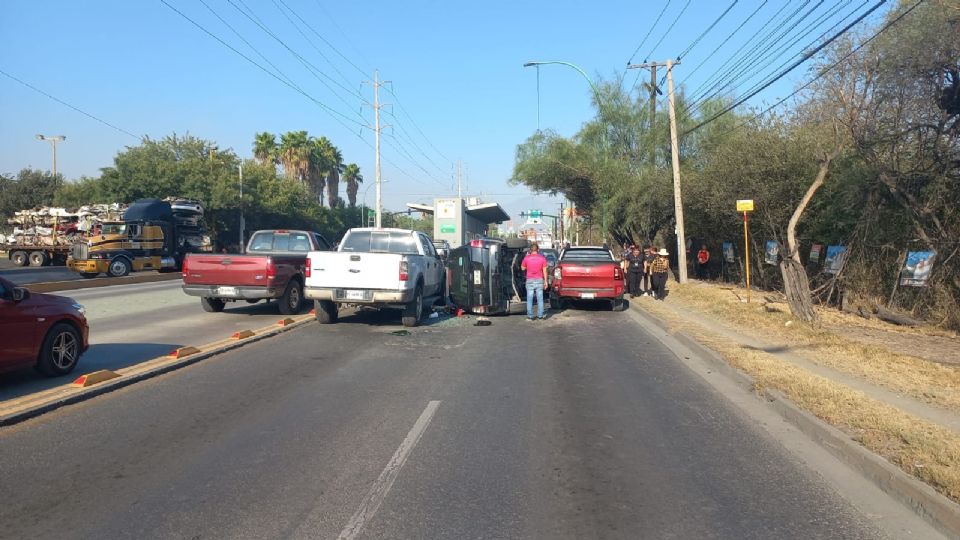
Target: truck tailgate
{"type": "Point", "coordinates": [588, 275]}
{"type": "Point", "coordinates": [241, 270]}
{"type": "Point", "coordinates": [361, 270]}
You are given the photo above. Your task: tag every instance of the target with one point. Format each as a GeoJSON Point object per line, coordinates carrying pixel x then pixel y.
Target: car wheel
{"type": "Point", "coordinates": [212, 305]}
{"type": "Point", "coordinates": [289, 303]}
{"type": "Point", "coordinates": [325, 311]}
{"type": "Point", "coordinates": [559, 303]}
{"type": "Point", "coordinates": [38, 258]}
{"type": "Point", "coordinates": [119, 267]}
{"type": "Point", "coordinates": [20, 258]}
{"type": "Point", "coordinates": [414, 310]}
{"type": "Point", "coordinates": [60, 351]}
{"type": "Point", "coordinates": [619, 304]}
{"type": "Point", "coordinates": [89, 275]}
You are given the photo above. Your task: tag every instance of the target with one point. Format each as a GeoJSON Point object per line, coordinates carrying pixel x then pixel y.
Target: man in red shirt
{"type": "Point", "coordinates": [535, 265]}
{"type": "Point", "coordinates": [703, 259]}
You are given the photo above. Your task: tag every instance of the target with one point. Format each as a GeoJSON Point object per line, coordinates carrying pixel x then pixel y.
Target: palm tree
{"type": "Point", "coordinates": [353, 178]}
{"type": "Point", "coordinates": [295, 155]}
{"type": "Point", "coordinates": [320, 164]}
{"type": "Point", "coordinates": [333, 178]}
{"type": "Point", "coordinates": [265, 148]}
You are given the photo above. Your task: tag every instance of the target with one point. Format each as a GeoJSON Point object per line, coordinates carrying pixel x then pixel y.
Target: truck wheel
{"type": "Point", "coordinates": [414, 310]}
{"type": "Point", "coordinates": [119, 267]}
{"type": "Point", "coordinates": [38, 258]}
{"type": "Point", "coordinates": [289, 303]}
{"type": "Point", "coordinates": [212, 305]}
{"type": "Point", "coordinates": [326, 311]}
{"type": "Point", "coordinates": [60, 351]}
{"type": "Point", "coordinates": [559, 303]}
{"type": "Point", "coordinates": [618, 304]}
{"type": "Point", "coordinates": [20, 258]}
{"type": "Point", "coordinates": [89, 275]}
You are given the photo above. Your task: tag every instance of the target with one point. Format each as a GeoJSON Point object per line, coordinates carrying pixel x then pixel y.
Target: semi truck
{"type": "Point", "coordinates": [153, 235]}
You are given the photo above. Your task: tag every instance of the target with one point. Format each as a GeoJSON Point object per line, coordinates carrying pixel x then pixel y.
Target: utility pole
{"type": "Point", "coordinates": [53, 140]}
{"type": "Point", "coordinates": [241, 244]}
{"type": "Point", "coordinates": [677, 201]}
{"type": "Point", "coordinates": [675, 157]}
{"type": "Point", "coordinates": [376, 115]}
{"type": "Point", "coordinates": [563, 238]}
{"type": "Point", "coordinates": [654, 91]}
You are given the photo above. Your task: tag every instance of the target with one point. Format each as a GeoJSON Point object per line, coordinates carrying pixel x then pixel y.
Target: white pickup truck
{"type": "Point", "coordinates": [381, 268]}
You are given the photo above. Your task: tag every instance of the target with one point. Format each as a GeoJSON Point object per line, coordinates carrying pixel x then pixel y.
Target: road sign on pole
{"type": "Point", "coordinates": [746, 206]}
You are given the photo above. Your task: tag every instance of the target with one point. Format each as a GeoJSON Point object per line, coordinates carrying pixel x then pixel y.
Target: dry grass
{"type": "Point", "coordinates": [918, 378]}
{"type": "Point", "coordinates": [921, 448]}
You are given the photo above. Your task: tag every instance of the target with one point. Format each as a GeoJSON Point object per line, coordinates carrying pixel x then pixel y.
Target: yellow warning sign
{"type": "Point", "coordinates": [745, 205]}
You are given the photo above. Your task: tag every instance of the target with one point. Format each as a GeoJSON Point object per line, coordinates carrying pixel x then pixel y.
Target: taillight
{"type": "Point", "coordinates": [616, 273]}
{"type": "Point", "coordinates": [306, 269]}
{"type": "Point", "coordinates": [183, 266]}
{"type": "Point", "coordinates": [476, 243]}
{"type": "Point", "coordinates": [271, 270]}
{"type": "Point", "coordinates": [403, 271]}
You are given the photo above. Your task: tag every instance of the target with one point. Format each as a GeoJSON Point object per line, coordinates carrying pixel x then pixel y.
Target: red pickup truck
{"type": "Point", "coordinates": [272, 268]}
{"type": "Point", "coordinates": [587, 273]}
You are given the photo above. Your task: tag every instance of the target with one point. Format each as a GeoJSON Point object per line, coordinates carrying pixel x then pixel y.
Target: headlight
{"type": "Point", "coordinates": [80, 308]}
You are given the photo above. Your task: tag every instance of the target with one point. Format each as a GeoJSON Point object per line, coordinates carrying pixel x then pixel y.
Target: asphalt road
{"type": "Point", "coordinates": [581, 426]}
{"type": "Point", "coordinates": [27, 275]}
{"type": "Point", "coordinates": [136, 322]}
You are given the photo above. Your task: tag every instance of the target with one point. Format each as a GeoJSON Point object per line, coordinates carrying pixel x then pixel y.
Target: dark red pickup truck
{"type": "Point", "coordinates": [272, 268]}
{"type": "Point", "coordinates": [587, 273]}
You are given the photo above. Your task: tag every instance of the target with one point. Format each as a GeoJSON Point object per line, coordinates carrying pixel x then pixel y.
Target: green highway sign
{"type": "Point", "coordinates": [536, 213]}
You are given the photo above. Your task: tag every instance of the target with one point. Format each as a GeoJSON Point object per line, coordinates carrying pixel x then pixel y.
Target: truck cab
{"type": "Point", "coordinates": [153, 235]}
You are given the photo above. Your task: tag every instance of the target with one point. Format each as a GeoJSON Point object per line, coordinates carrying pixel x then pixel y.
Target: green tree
{"type": "Point", "coordinates": [30, 188]}
{"type": "Point", "coordinates": [353, 178]}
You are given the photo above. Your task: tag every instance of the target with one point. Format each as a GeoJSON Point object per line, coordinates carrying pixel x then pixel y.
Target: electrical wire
{"type": "Point", "coordinates": [665, 34]}
{"type": "Point", "coordinates": [707, 31]}
{"type": "Point", "coordinates": [644, 40]}
{"type": "Point", "coordinates": [724, 42]}
{"type": "Point", "coordinates": [806, 56]}
{"type": "Point", "coordinates": [64, 103]}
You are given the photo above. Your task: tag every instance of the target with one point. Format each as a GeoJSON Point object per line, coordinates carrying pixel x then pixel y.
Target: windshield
{"type": "Point", "coordinates": [271, 241]}
{"type": "Point", "coordinates": [380, 242]}
{"type": "Point", "coordinates": [597, 254]}
{"type": "Point", "coordinates": [114, 228]}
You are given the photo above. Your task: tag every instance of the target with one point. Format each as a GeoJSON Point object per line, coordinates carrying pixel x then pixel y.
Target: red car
{"type": "Point", "coordinates": [587, 273]}
{"type": "Point", "coordinates": [44, 330]}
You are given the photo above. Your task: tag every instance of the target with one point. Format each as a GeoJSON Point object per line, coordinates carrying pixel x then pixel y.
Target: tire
{"type": "Point", "coordinates": [559, 303]}
{"type": "Point", "coordinates": [618, 304]}
{"type": "Point", "coordinates": [38, 258]}
{"type": "Point", "coordinates": [414, 310]}
{"type": "Point", "coordinates": [253, 301]}
{"type": "Point", "coordinates": [212, 305]}
{"type": "Point", "coordinates": [326, 311]}
{"type": "Point", "coordinates": [88, 275]}
{"type": "Point", "coordinates": [291, 300]}
{"type": "Point", "coordinates": [119, 267]}
{"type": "Point", "coordinates": [60, 351]}
{"type": "Point", "coordinates": [20, 258]}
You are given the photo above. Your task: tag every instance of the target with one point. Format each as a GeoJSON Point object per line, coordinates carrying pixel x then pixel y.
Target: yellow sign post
{"type": "Point", "coordinates": [745, 206]}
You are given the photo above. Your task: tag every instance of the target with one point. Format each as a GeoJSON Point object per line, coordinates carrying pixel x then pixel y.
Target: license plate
{"type": "Point", "coordinates": [588, 295]}
{"type": "Point", "coordinates": [354, 295]}
{"type": "Point", "coordinates": [227, 291]}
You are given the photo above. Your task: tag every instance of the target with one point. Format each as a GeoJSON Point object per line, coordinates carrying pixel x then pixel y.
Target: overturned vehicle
{"type": "Point", "coordinates": [484, 276]}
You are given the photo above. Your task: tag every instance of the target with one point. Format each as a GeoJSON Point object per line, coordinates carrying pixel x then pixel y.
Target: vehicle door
{"type": "Point", "coordinates": [432, 266]}
{"type": "Point", "coordinates": [18, 328]}
{"type": "Point", "coordinates": [321, 242]}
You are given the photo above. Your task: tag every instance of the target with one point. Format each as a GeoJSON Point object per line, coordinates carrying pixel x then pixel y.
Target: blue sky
{"type": "Point", "coordinates": [459, 91]}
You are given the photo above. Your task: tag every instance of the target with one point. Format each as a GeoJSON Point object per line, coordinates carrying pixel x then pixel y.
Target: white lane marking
{"type": "Point", "coordinates": [380, 488]}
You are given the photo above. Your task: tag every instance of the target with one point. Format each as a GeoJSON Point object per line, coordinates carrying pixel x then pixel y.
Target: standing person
{"type": "Point", "coordinates": [634, 266]}
{"type": "Point", "coordinates": [535, 265]}
{"type": "Point", "coordinates": [658, 274]}
{"type": "Point", "coordinates": [703, 259]}
{"type": "Point", "coordinates": [649, 254]}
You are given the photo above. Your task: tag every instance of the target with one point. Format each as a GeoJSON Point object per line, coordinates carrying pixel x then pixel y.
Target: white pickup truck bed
{"type": "Point", "coordinates": [382, 268]}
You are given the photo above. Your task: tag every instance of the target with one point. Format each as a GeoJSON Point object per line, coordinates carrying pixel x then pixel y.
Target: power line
{"type": "Point", "coordinates": [829, 68]}
{"type": "Point", "coordinates": [806, 56]}
{"type": "Point", "coordinates": [291, 10]}
{"type": "Point", "coordinates": [644, 40]}
{"type": "Point", "coordinates": [417, 127]}
{"type": "Point", "coordinates": [685, 6]}
{"type": "Point", "coordinates": [337, 26]}
{"type": "Point", "coordinates": [705, 32]}
{"type": "Point", "coordinates": [60, 101]}
{"type": "Point", "coordinates": [333, 112]}
{"type": "Point", "coordinates": [774, 53]}
{"type": "Point", "coordinates": [724, 42]}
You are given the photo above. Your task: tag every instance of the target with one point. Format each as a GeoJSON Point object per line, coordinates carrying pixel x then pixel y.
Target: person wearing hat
{"type": "Point", "coordinates": [658, 274]}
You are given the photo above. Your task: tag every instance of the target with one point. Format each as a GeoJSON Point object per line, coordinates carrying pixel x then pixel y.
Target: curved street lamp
{"type": "Point", "coordinates": [596, 94]}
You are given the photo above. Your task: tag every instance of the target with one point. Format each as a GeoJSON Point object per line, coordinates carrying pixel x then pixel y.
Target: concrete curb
{"type": "Point", "coordinates": [935, 508]}
{"type": "Point", "coordinates": [127, 380]}
{"type": "Point", "coordinates": [76, 284]}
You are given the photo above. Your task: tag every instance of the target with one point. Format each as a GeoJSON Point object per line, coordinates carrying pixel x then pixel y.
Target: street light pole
{"type": "Point", "coordinates": [53, 140]}
{"type": "Point", "coordinates": [596, 94]}
{"type": "Point", "coordinates": [240, 166]}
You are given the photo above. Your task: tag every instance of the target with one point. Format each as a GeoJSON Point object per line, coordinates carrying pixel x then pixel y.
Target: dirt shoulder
{"type": "Point", "coordinates": [896, 391]}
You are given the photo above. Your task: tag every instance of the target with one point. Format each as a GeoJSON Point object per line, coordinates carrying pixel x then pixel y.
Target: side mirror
{"type": "Point", "coordinates": [19, 294]}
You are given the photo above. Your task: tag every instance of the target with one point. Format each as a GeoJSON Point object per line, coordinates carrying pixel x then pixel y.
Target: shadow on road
{"type": "Point", "coordinates": [112, 356]}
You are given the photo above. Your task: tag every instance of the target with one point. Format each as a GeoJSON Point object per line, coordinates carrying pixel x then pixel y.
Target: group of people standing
{"type": "Point", "coordinates": [646, 271]}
